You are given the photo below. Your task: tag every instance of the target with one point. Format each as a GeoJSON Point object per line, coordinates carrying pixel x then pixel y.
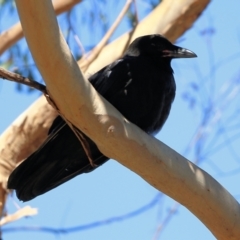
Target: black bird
{"type": "Point", "coordinates": [140, 85]}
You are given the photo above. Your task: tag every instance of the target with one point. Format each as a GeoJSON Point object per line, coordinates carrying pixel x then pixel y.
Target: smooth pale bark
{"type": "Point", "coordinates": [159, 165]}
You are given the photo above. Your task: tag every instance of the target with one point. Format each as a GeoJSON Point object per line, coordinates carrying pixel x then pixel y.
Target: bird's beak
{"type": "Point", "coordinates": [179, 52]}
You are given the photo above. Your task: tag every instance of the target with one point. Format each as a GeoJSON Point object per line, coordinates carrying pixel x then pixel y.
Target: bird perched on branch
{"type": "Point", "coordinates": [140, 85]}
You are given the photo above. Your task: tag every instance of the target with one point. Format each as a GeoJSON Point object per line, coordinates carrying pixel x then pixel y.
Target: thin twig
{"type": "Point", "coordinates": [134, 27]}
{"type": "Point", "coordinates": [88, 59]}
{"type": "Point", "coordinates": [14, 77]}
{"type": "Point", "coordinates": [78, 41]}
{"type": "Point", "coordinates": [136, 12]}
{"type": "Point", "coordinates": [172, 211]}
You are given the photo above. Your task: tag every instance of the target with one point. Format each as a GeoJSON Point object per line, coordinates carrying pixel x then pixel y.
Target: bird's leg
{"type": "Point", "coordinates": [76, 131]}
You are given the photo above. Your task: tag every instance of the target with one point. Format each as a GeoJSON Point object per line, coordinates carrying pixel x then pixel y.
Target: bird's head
{"type": "Point", "coordinates": [159, 46]}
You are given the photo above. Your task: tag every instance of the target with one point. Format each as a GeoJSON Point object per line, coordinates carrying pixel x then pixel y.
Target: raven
{"type": "Point", "coordinates": [140, 85]}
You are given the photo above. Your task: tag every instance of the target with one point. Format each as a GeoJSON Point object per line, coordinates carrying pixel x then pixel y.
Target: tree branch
{"type": "Point", "coordinates": [15, 33]}
{"type": "Point", "coordinates": [14, 77]}
{"type": "Point", "coordinates": [158, 164]}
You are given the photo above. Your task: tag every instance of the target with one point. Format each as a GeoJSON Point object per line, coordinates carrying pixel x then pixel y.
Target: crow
{"type": "Point", "coordinates": [140, 85]}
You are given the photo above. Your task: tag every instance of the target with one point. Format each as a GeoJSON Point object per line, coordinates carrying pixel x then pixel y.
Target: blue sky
{"type": "Point", "coordinates": [112, 190]}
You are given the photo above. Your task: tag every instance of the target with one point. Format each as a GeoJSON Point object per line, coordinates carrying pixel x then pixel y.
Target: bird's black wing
{"type": "Point", "coordinates": [61, 157]}
{"type": "Point", "coordinates": [112, 79]}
